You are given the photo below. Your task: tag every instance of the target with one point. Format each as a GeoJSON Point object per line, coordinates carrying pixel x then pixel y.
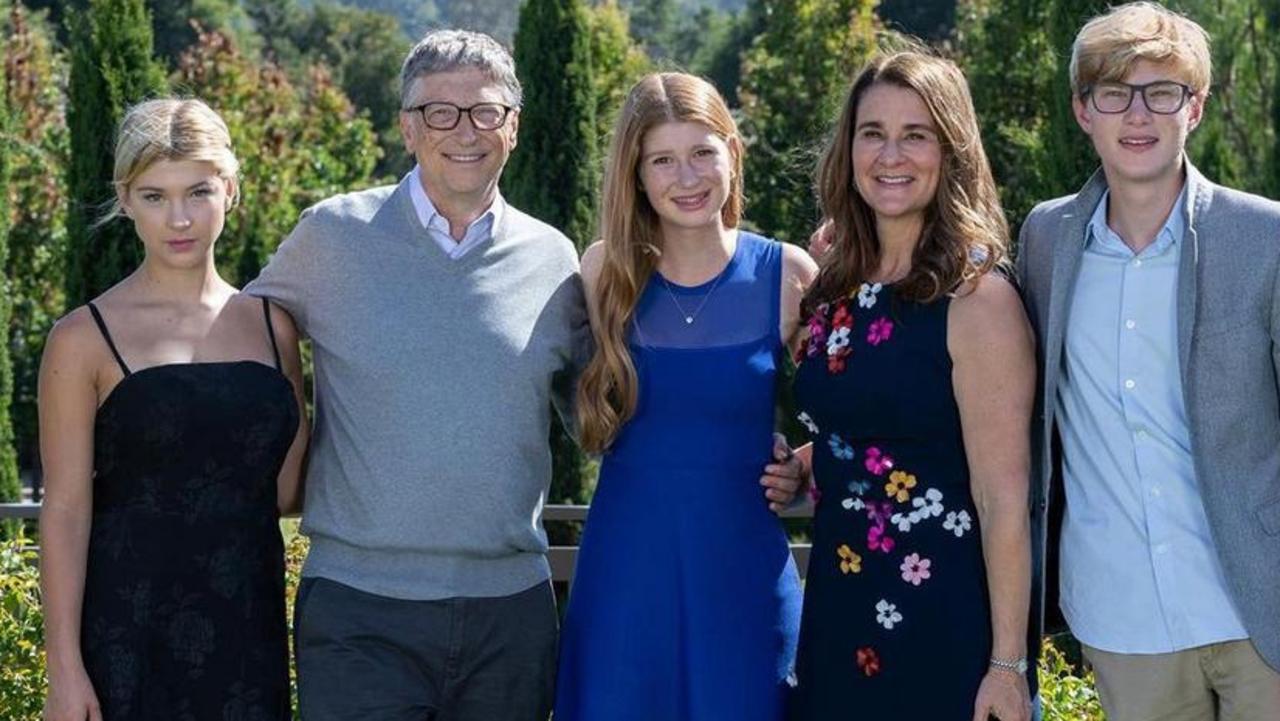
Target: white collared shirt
{"type": "Point", "coordinates": [437, 226]}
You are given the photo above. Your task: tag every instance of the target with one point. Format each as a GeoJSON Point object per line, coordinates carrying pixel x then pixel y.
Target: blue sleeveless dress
{"type": "Point", "coordinates": [896, 613]}
{"type": "Point", "coordinates": [685, 602]}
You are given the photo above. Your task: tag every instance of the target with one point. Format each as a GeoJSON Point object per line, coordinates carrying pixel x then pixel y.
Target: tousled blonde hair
{"type": "Point", "coordinates": [1108, 46]}
{"type": "Point", "coordinates": [608, 390]}
{"type": "Point", "coordinates": [170, 129]}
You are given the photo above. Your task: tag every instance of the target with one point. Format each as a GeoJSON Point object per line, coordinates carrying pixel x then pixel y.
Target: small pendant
{"type": "Point", "coordinates": [688, 319]}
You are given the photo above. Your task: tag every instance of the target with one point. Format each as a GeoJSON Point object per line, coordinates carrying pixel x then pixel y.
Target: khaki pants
{"type": "Point", "coordinates": [1219, 682]}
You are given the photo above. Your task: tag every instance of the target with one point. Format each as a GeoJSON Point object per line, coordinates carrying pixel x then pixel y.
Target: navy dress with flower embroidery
{"type": "Point", "coordinates": [183, 616]}
{"type": "Point", "coordinates": [896, 621]}
{"type": "Point", "coordinates": [685, 604]}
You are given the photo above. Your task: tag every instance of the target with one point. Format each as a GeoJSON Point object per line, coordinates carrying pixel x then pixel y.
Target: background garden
{"type": "Point", "coordinates": [310, 92]}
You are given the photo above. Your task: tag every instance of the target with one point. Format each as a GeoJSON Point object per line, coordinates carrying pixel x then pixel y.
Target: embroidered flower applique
{"type": "Point", "coordinates": [915, 569]}
{"type": "Point", "coordinates": [879, 540]}
{"type": "Point", "coordinates": [867, 294]}
{"type": "Point", "coordinates": [877, 462]}
{"type": "Point", "coordinates": [887, 614]}
{"type": "Point", "coordinates": [850, 562]}
{"type": "Point", "coordinates": [817, 332]}
{"type": "Point", "coordinates": [807, 421]}
{"type": "Point", "coordinates": [868, 661]}
{"type": "Point", "coordinates": [853, 503]}
{"type": "Point", "coordinates": [929, 505]}
{"type": "Point", "coordinates": [904, 521]}
{"type": "Point", "coordinates": [900, 485]}
{"type": "Point", "coordinates": [840, 448]}
{"type": "Point", "coordinates": [837, 341]}
{"type": "Point", "coordinates": [879, 331]}
{"type": "Point", "coordinates": [958, 523]}
{"type": "Point", "coordinates": [859, 487]}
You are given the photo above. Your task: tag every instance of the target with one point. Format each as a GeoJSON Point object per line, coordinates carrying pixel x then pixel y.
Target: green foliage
{"type": "Point", "coordinates": [498, 18]}
{"type": "Point", "coordinates": [296, 145]}
{"type": "Point", "coordinates": [794, 76]}
{"type": "Point", "coordinates": [1066, 696]}
{"type": "Point", "coordinates": [616, 63]}
{"type": "Point", "coordinates": [10, 489]}
{"type": "Point", "coordinates": [36, 79]}
{"type": "Point", "coordinates": [553, 174]}
{"type": "Point", "coordinates": [22, 680]}
{"type": "Point", "coordinates": [111, 68]}
{"type": "Point", "coordinates": [1236, 143]}
{"type": "Point", "coordinates": [653, 25]}
{"type": "Point", "coordinates": [173, 22]}
{"type": "Point", "coordinates": [362, 49]}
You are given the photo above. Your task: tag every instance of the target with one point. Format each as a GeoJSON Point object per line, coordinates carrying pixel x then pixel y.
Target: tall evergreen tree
{"type": "Point", "coordinates": [111, 68]}
{"type": "Point", "coordinates": [553, 174]}
{"type": "Point", "coordinates": [10, 489]}
{"type": "Point", "coordinates": [37, 157]}
{"type": "Point", "coordinates": [794, 75]}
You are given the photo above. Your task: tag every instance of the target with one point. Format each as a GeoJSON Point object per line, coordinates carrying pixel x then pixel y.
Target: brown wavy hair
{"type": "Point", "coordinates": [609, 387]}
{"type": "Point", "coordinates": [965, 233]}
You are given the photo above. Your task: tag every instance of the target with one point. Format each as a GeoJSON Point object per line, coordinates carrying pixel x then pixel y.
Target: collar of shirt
{"type": "Point", "coordinates": [437, 225]}
{"type": "Point", "coordinates": [1104, 239]}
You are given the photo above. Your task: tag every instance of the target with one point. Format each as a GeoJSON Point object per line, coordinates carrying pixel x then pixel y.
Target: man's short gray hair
{"type": "Point", "coordinates": [442, 51]}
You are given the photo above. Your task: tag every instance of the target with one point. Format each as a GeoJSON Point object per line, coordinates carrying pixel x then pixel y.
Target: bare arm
{"type": "Point", "coordinates": [798, 272]}
{"type": "Point", "coordinates": [994, 379]}
{"type": "Point", "coordinates": [68, 403]}
{"type": "Point", "coordinates": [289, 484]}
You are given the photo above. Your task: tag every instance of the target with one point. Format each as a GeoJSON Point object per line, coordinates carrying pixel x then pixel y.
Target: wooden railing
{"type": "Point", "coordinates": [562, 558]}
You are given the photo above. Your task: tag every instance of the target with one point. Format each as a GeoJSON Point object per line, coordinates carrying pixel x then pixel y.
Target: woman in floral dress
{"type": "Point", "coordinates": [916, 385]}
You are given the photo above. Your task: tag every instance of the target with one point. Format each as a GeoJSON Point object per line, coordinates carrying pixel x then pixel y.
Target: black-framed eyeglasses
{"type": "Point", "coordinates": [440, 115]}
{"type": "Point", "coordinates": [1163, 97]}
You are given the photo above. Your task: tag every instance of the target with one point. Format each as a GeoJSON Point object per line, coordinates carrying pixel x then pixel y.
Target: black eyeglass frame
{"type": "Point", "coordinates": [1134, 90]}
{"type": "Point", "coordinates": [421, 109]}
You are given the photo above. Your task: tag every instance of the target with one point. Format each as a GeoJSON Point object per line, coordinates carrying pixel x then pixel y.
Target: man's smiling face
{"type": "Point", "coordinates": [462, 165]}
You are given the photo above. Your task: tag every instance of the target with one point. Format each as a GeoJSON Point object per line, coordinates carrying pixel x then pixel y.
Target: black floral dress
{"type": "Point", "coordinates": [184, 616]}
{"type": "Point", "coordinates": [896, 620]}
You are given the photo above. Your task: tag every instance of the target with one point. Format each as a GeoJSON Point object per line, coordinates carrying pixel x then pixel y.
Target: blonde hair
{"type": "Point", "coordinates": [170, 129]}
{"type": "Point", "coordinates": [1108, 46]}
{"type": "Point", "coordinates": [608, 391]}
{"type": "Point", "coordinates": [965, 233]}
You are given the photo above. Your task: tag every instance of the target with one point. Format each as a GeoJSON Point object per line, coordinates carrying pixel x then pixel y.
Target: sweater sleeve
{"type": "Point", "coordinates": [564, 385]}
{"type": "Point", "coordinates": [292, 273]}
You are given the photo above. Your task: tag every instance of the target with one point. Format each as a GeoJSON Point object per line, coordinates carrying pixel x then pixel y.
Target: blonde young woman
{"type": "Point", "coordinates": [170, 432]}
{"type": "Point", "coordinates": [685, 608]}
{"type": "Point", "coordinates": [915, 382]}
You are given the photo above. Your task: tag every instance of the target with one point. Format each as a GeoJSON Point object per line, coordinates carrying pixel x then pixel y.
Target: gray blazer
{"type": "Point", "coordinates": [1228, 317]}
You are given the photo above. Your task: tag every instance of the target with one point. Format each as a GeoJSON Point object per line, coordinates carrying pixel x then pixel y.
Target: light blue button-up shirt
{"type": "Point", "coordinates": [437, 226]}
{"type": "Point", "coordinates": [1139, 573]}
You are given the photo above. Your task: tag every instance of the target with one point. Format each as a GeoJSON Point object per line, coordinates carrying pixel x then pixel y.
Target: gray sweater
{"type": "Point", "coordinates": [434, 381]}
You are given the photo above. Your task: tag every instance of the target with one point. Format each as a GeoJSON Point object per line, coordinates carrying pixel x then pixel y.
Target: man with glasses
{"type": "Point", "coordinates": [445, 324]}
{"type": "Point", "coordinates": [1155, 295]}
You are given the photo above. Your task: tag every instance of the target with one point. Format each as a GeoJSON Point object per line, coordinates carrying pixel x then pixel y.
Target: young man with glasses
{"type": "Point", "coordinates": [1155, 295]}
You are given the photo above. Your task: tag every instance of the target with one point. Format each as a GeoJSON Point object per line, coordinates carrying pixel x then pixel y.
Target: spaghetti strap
{"type": "Point", "coordinates": [271, 331]}
{"type": "Point", "coordinates": [102, 326]}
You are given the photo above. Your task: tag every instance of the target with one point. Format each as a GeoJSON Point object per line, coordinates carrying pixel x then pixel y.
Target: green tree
{"type": "Point", "coordinates": [553, 174]}
{"type": "Point", "coordinates": [794, 76]}
{"type": "Point", "coordinates": [111, 67]}
{"type": "Point", "coordinates": [297, 144]}
{"type": "Point", "coordinates": [616, 63]}
{"type": "Point", "coordinates": [37, 154]}
{"type": "Point", "coordinates": [654, 24]}
{"type": "Point", "coordinates": [10, 488]}
{"type": "Point", "coordinates": [498, 18]}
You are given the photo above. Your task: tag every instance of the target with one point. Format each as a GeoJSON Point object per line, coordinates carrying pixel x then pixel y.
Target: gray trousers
{"type": "Point", "coordinates": [364, 657]}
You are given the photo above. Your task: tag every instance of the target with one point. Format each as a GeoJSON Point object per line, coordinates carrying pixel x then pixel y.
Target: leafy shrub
{"type": "Point", "coordinates": [1066, 695]}
{"type": "Point", "coordinates": [22, 681]}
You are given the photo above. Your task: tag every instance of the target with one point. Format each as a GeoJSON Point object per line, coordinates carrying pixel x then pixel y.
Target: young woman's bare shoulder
{"type": "Point", "coordinates": [987, 310]}
{"type": "Point", "coordinates": [75, 344]}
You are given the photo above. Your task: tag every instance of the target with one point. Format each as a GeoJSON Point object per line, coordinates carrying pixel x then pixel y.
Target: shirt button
{"type": "Point", "coordinates": [1130, 324]}
{"type": "Point", "coordinates": [1141, 433]}
{"type": "Point", "coordinates": [1162, 548]}
{"type": "Point", "coordinates": [1129, 383]}
{"type": "Point", "coordinates": [1155, 491]}
{"type": "Point", "coordinates": [1137, 262]}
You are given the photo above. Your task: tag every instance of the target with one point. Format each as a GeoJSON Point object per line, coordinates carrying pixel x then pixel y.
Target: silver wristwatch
{"type": "Point", "coordinates": [1018, 665]}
